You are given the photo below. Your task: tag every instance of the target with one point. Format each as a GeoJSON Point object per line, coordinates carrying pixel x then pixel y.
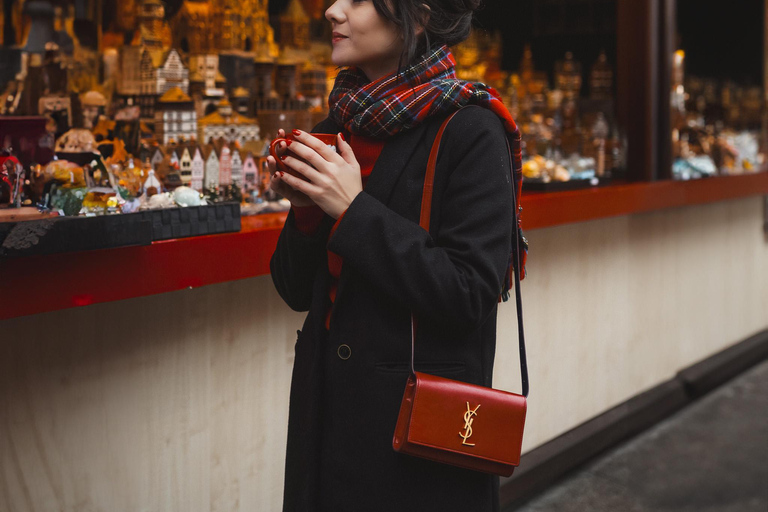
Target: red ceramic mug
{"type": "Point", "coordinates": [329, 139]}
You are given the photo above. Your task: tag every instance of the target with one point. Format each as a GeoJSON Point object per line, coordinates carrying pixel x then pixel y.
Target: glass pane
{"type": "Point", "coordinates": [554, 62]}
{"type": "Point", "coordinates": [718, 91]}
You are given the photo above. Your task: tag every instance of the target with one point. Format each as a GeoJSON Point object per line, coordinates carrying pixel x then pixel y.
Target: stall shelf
{"type": "Point", "coordinates": [39, 284]}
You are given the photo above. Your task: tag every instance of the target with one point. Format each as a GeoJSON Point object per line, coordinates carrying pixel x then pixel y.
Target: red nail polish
{"type": "Point", "coordinates": [288, 142]}
{"type": "Point", "coordinates": [296, 133]}
{"type": "Point", "coordinates": [282, 174]}
{"type": "Point", "coordinates": [342, 137]}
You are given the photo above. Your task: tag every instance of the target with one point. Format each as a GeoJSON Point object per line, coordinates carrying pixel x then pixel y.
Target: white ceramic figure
{"type": "Point", "coordinates": [185, 196]}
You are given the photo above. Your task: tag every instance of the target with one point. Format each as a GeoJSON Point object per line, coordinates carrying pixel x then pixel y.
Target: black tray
{"type": "Point", "coordinates": [71, 234]}
{"type": "Point", "coordinates": [193, 220]}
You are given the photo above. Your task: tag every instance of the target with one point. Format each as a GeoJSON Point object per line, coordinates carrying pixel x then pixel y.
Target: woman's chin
{"type": "Point", "coordinates": [339, 59]}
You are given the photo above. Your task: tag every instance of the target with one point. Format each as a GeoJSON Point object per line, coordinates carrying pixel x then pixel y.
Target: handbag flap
{"type": "Point", "coordinates": [467, 419]}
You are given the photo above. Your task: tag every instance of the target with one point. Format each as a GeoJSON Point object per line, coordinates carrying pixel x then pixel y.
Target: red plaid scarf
{"type": "Point", "coordinates": [401, 101]}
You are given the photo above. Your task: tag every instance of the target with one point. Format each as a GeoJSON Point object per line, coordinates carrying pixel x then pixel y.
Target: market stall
{"type": "Point", "coordinates": [145, 356]}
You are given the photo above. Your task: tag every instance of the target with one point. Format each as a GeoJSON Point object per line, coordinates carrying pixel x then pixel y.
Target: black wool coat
{"type": "Point", "coordinates": [348, 381]}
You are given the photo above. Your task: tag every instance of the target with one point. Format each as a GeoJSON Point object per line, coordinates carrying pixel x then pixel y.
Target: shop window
{"type": "Point", "coordinates": [554, 62]}
{"type": "Point", "coordinates": [718, 91]}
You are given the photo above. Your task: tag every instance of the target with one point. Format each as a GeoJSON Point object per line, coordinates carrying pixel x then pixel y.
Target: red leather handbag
{"type": "Point", "coordinates": [454, 422]}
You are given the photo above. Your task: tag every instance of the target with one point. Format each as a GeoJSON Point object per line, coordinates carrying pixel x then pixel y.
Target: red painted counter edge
{"type": "Point", "coordinates": [49, 283]}
{"type": "Point", "coordinates": [542, 210]}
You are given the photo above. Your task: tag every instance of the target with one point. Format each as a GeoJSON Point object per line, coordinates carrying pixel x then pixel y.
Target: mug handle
{"type": "Point", "coordinates": [273, 152]}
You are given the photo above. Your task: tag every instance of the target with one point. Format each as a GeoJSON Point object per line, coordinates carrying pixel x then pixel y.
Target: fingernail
{"type": "Point", "coordinates": [342, 137]}
{"type": "Point", "coordinates": [282, 157]}
{"type": "Point", "coordinates": [282, 174]}
{"type": "Point", "coordinates": [296, 133]}
{"type": "Point", "coordinates": [288, 142]}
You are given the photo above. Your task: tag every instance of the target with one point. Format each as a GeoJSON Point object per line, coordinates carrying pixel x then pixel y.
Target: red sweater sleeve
{"type": "Point", "coordinates": [307, 218]}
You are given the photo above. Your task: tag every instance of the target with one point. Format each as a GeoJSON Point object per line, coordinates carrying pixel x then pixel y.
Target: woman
{"type": "Point", "coordinates": [352, 254]}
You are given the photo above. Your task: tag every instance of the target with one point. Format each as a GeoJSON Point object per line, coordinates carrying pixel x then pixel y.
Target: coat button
{"type": "Point", "coordinates": [344, 351]}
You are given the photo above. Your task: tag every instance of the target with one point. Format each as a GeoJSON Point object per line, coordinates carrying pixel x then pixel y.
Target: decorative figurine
{"type": "Point", "coordinates": [152, 185]}
{"type": "Point", "coordinates": [185, 163]}
{"type": "Point", "coordinates": [294, 26]}
{"type": "Point", "coordinates": [198, 169]}
{"type": "Point", "coordinates": [11, 179]}
{"type": "Point", "coordinates": [93, 104]}
{"type": "Point", "coordinates": [601, 79]}
{"type": "Point", "coordinates": [227, 124]}
{"type": "Point", "coordinates": [225, 163]}
{"type": "Point", "coordinates": [185, 196]}
{"type": "Point", "coordinates": [211, 180]}
{"type": "Point", "coordinates": [250, 173]}
{"type": "Point", "coordinates": [599, 136]}
{"type": "Point", "coordinates": [236, 165]}
{"type": "Point", "coordinates": [568, 76]}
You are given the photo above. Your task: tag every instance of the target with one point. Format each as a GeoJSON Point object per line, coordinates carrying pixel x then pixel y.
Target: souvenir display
{"type": "Point", "coordinates": [104, 110]}
{"type": "Point", "coordinates": [179, 104]}
{"type": "Point", "coordinates": [567, 137]}
{"type": "Point", "coordinates": [717, 127]}
{"type": "Point", "coordinates": [568, 124]}
{"type": "Point", "coordinates": [195, 107]}
{"type": "Point", "coordinates": [11, 179]}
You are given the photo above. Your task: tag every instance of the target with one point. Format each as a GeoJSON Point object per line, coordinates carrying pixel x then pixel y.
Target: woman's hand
{"type": "Point", "coordinates": [281, 187]}
{"type": "Point", "coordinates": [334, 178]}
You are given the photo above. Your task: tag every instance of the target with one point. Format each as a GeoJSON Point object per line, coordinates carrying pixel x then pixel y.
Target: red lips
{"type": "Point", "coordinates": [336, 37]}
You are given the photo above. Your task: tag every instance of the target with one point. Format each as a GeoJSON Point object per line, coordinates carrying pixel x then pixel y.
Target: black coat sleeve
{"type": "Point", "coordinates": [297, 257]}
{"type": "Point", "coordinates": [295, 262]}
{"type": "Point", "coordinates": [456, 275]}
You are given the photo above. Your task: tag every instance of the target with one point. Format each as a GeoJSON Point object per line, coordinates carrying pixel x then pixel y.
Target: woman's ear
{"type": "Point", "coordinates": [424, 19]}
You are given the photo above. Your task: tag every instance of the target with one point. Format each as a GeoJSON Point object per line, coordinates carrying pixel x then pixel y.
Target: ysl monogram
{"type": "Point", "coordinates": [468, 419]}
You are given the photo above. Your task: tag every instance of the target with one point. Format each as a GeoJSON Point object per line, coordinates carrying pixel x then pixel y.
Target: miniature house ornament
{"type": "Point", "coordinates": [152, 182]}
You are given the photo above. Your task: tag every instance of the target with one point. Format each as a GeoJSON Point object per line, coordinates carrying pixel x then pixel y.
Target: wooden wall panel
{"type": "Point", "coordinates": [171, 402]}
{"type": "Point", "coordinates": [616, 306]}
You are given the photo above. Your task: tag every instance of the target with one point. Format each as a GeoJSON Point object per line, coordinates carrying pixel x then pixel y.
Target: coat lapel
{"type": "Point", "coordinates": [389, 166]}
{"type": "Point", "coordinates": [392, 162]}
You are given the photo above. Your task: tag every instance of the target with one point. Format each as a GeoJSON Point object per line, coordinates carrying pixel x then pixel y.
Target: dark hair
{"type": "Point", "coordinates": [447, 22]}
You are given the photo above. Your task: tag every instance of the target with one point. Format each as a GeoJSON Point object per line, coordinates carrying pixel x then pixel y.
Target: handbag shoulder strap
{"type": "Point", "coordinates": [424, 218]}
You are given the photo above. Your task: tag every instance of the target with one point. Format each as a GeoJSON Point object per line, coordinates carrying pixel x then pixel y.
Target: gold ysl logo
{"type": "Point", "coordinates": [468, 419]}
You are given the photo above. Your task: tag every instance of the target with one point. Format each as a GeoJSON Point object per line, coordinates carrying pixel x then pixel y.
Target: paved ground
{"type": "Point", "coordinates": [711, 456]}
